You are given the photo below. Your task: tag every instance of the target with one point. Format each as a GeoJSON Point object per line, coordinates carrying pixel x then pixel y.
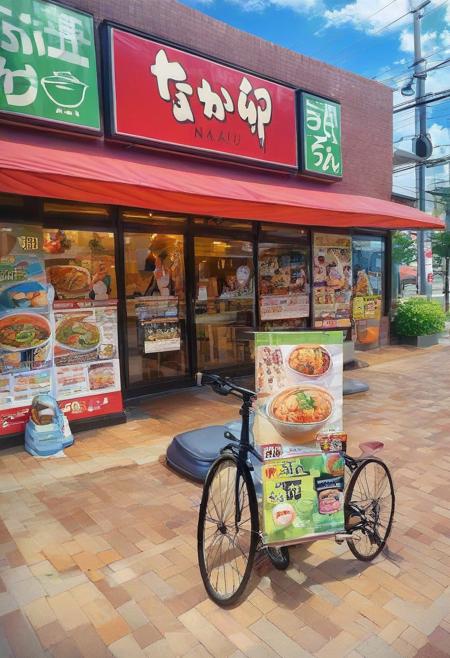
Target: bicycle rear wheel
{"type": "Point", "coordinates": [228, 527]}
{"type": "Point", "coordinates": [369, 508]}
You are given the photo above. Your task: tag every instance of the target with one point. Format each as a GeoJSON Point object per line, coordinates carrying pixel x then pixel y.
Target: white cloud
{"type": "Point", "coordinates": [369, 15]}
{"type": "Point", "coordinates": [429, 42]}
{"type": "Point", "coordinates": [301, 6]}
{"type": "Point", "coordinates": [260, 5]}
{"type": "Point", "coordinates": [440, 137]}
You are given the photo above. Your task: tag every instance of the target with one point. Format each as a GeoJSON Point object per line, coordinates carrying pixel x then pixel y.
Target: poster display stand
{"type": "Point", "coordinates": [298, 429]}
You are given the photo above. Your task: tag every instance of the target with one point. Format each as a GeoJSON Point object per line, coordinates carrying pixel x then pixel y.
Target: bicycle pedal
{"type": "Point", "coordinates": [340, 537]}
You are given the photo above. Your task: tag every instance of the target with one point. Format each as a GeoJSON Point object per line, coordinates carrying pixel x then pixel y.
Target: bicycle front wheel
{"type": "Point", "coordinates": [228, 527]}
{"type": "Point", "coordinates": [369, 508]}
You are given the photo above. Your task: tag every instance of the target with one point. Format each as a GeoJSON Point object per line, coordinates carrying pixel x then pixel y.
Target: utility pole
{"type": "Point", "coordinates": [425, 287]}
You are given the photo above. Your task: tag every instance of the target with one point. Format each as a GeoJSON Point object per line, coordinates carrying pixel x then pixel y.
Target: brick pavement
{"type": "Point", "coordinates": [98, 555]}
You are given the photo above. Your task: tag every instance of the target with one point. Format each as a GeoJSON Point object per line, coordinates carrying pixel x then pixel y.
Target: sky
{"type": "Point", "coordinates": [372, 38]}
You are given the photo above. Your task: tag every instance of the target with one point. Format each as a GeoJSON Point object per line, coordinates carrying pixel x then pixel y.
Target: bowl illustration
{"type": "Point", "coordinates": [309, 361]}
{"type": "Point", "coordinates": [299, 410]}
{"type": "Point", "coordinates": [64, 89]}
{"type": "Point", "coordinates": [23, 331]}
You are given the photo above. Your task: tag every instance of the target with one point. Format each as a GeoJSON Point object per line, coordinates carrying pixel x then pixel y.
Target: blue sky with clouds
{"type": "Point", "coordinates": [370, 37]}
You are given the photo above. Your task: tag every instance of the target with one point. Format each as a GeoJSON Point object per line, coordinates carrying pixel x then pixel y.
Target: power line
{"type": "Point", "coordinates": [428, 56]}
{"type": "Point", "coordinates": [384, 27]}
{"type": "Point", "coordinates": [431, 11]}
{"type": "Point", "coordinates": [428, 98]}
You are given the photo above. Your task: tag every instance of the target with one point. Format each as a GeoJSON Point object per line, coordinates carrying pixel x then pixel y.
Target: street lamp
{"type": "Point", "coordinates": [408, 90]}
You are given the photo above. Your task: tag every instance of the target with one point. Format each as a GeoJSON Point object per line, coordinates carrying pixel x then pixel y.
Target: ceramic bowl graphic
{"type": "Point", "coordinates": [64, 89]}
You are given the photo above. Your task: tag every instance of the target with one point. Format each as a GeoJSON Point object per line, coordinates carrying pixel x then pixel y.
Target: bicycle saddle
{"type": "Point", "coordinates": [369, 448]}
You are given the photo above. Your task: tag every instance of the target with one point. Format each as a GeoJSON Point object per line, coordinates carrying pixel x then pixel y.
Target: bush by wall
{"type": "Point", "coordinates": [418, 316]}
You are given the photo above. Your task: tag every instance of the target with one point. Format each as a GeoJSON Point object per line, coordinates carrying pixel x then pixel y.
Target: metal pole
{"type": "Point", "coordinates": [421, 130]}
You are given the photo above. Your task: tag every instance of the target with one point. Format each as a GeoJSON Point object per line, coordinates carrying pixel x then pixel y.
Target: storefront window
{"type": "Point", "coordinates": [80, 264]}
{"type": "Point", "coordinates": [224, 302]}
{"type": "Point", "coordinates": [155, 306]}
{"type": "Point", "coordinates": [283, 285]}
{"type": "Point", "coordinates": [368, 289]}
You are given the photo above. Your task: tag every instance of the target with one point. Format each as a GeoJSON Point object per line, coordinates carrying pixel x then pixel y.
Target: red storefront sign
{"type": "Point", "coordinates": [175, 99]}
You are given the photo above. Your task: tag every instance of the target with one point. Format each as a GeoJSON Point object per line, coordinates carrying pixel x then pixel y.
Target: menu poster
{"type": "Point", "coordinates": [158, 327]}
{"type": "Point", "coordinates": [299, 377]}
{"type": "Point", "coordinates": [283, 284]}
{"type": "Point", "coordinates": [25, 325]}
{"type": "Point", "coordinates": [283, 307]}
{"type": "Point", "coordinates": [367, 307]}
{"type": "Point", "coordinates": [161, 335]}
{"type": "Point", "coordinates": [86, 358]}
{"type": "Point", "coordinates": [332, 280]}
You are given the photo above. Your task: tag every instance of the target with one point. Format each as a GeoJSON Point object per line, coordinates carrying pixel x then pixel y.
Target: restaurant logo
{"type": "Point", "coordinates": [183, 101]}
{"type": "Point", "coordinates": [48, 65]}
{"type": "Point", "coordinates": [321, 151]}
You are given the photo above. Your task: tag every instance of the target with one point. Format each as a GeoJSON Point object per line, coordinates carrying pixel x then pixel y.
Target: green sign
{"type": "Point", "coordinates": [48, 64]}
{"type": "Point", "coordinates": [321, 137]}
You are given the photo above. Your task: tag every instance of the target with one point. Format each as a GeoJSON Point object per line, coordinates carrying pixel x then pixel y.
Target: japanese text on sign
{"type": "Point", "coordinates": [177, 99]}
{"type": "Point", "coordinates": [322, 136]}
{"type": "Point", "coordinates": [257, 113]}
{"type": "Point", "coordinates": [47, 63]}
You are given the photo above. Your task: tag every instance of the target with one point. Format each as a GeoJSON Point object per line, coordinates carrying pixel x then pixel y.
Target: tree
{"type": "Point", "coordinates": [441, 248]}
{"type": "Point", "coordinates": [404, 250]}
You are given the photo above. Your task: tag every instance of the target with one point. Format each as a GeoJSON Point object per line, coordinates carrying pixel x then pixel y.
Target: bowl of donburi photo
{"type": "Point", "coordinates": [300, 410]}
{"type": "Point", "coordinates": [309, 360]}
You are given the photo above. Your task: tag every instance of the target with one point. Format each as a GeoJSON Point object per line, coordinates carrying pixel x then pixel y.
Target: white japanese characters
{"type": "Point", "coordinates": [254, 106]}
{"type": "Point", "coordinates": [322, 121]}
{"type": "Point", "coordinates": [57, 37]}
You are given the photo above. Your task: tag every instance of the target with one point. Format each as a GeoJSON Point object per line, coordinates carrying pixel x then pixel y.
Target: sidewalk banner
{"type": "Point", "coordinates": [26, 340]}
{"type": "Point", "coordinates": [298, 429]}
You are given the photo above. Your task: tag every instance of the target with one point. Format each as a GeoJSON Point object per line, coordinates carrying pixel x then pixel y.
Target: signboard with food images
{"type": "Point", "coordinates": [367, 307]}
{"type": "Point", "coordinates": [283, 283]}
{"type": "Point", "coordinates": [298, 429]}
{"type": "Point", "coordinates": [161, 335]}
{"type": "Point", "coordinates": [80, 264]}
{"type": "Point", "coordinates": [25, 325]}
{"type": "Point", "coordinates": [86, 354]}
{"type": "Point", "coordinates": [303, 494]}
{"type": "Point", "coordinates": [332, 280]}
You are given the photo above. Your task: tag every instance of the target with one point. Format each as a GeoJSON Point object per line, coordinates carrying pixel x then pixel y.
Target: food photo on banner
{"type": "Point", "coordinates": [26, 340]}
{"type": "Point", "coordinates": [298, 429]}
{"type": "Point", "coordinates": [332, 281]}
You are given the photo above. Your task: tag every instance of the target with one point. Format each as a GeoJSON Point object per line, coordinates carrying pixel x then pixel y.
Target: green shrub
{"type": "Point", "coordinates": [418, 316]}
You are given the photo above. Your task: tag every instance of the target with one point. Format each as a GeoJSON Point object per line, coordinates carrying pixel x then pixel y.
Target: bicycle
{"type": "Point", "coordinates": [228, 534]}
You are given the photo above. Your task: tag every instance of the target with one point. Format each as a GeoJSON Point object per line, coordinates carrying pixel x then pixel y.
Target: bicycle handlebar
{"type": "Point", "coordinates": [222, 385]}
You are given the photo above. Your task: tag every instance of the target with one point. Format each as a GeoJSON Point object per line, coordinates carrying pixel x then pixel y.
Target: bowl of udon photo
{"type": "Point", "coordinates": [77, 334]}
{"type": "Point", "coordinates": [300, 410]}
{"type": "Point", "coordinates": [309, 360]}
{"type": "Point", "coordinates": [23, 331]}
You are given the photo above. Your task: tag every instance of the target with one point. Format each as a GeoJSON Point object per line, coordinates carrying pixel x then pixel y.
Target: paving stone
{"type": "Point", "coordinates": [99, 549]}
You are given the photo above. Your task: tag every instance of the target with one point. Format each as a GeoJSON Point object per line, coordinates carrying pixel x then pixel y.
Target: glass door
{"type": "Point", "coordinates": [155, 308]}
{"type": "Point", "coordinates": [368, 289]}
{"type": "Point", "coordinates": [224, 302]}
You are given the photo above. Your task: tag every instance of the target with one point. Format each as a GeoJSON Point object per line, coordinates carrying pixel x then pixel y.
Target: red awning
{"type": "Point", "coordinates": [94, 172]}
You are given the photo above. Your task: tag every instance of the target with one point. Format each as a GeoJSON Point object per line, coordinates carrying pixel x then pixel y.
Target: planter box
{"type": "Point", "coordinates": [420, 341]}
